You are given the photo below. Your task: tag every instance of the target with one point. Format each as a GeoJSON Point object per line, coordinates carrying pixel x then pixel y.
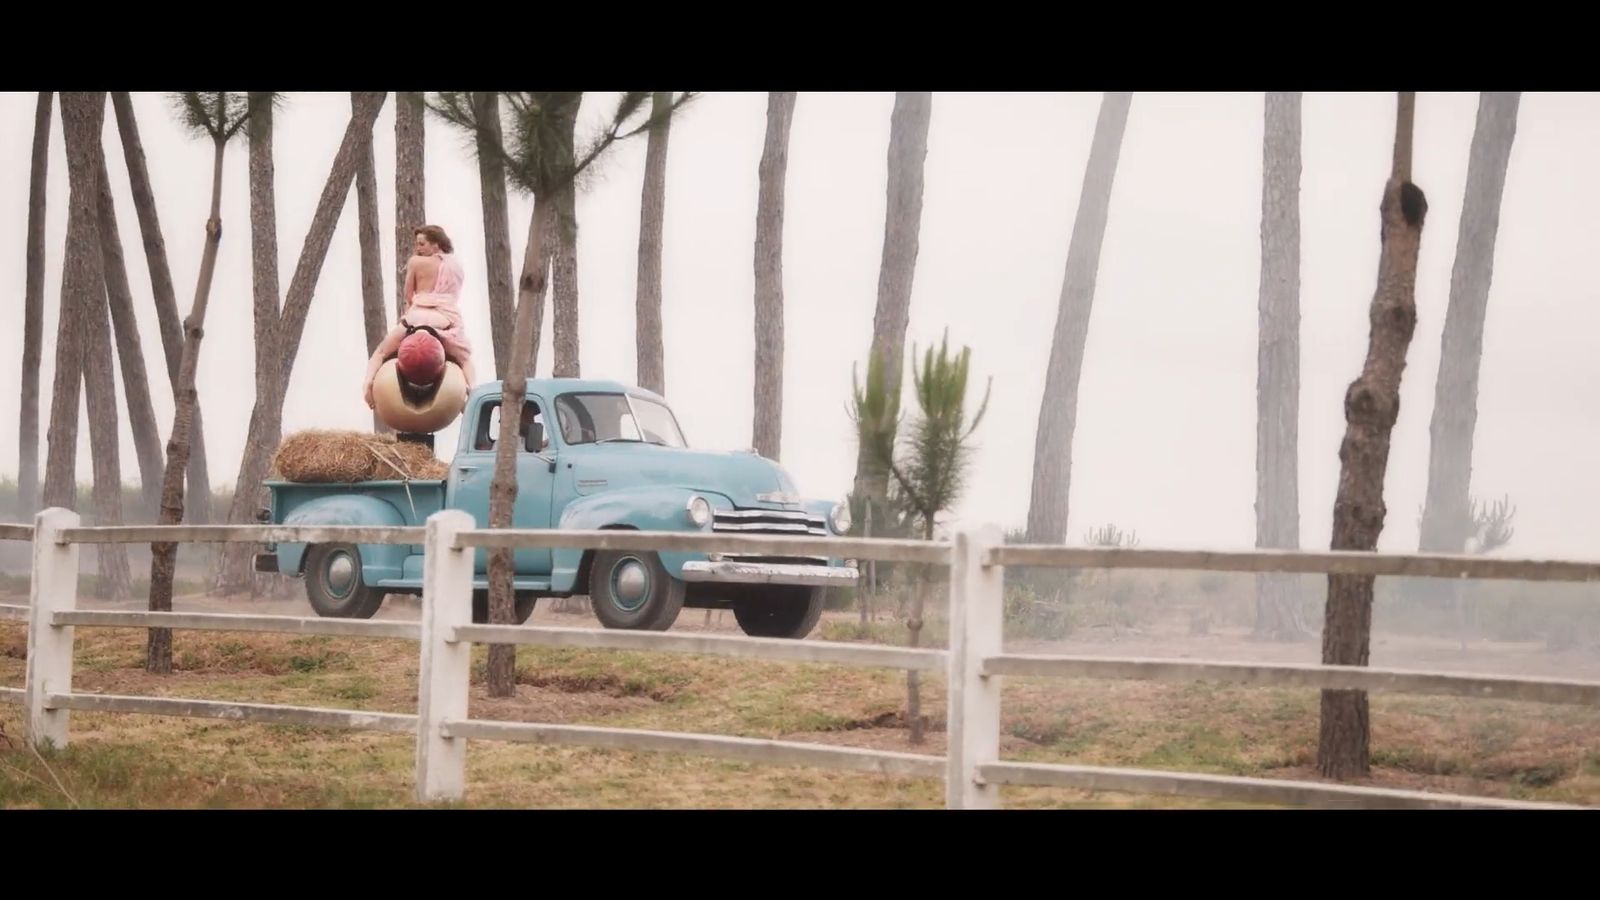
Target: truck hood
{"type": "Point", "coordinates": [741, 477]}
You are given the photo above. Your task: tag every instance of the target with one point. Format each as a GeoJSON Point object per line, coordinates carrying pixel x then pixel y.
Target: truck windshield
{"type": "Point", "coordinates": [602, 418]}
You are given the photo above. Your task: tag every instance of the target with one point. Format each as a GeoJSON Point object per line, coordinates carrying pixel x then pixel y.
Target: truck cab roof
{"type": "Point", "coordinates": [552, 387]}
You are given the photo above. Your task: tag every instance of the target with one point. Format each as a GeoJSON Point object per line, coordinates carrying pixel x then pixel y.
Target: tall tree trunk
{"type": "Point", "coordinates": [547, 255]}
{"type": "Point", "coordinates": [266, 420]}
{"type": "Point", "coordinates": [564, 265]}
{"type": "Point", "coordinates": [496, 226]}
{"type": "Point", "coordinates": [502, 663]}
{"type": "Point", "coordinates": [61, 459]}
{"type": "Point", "coordinates": [166, 298]}
{"type": "Point", "coordinates": [1446, 512]}
{"type": "Point", "coordinates": [409, 188]}
{"type": "Point", "coordinates": [82, 287]}
{"type": "Point", "coordinates": [130, 350]}
{"type": "Point", "coordinates": [373, 316]}
{"type": "Point", "coordinates": [236, 572]}
{"type": "Point", "coordinates": [1278, 367]}
{"type": "Point", "coordinates": [535, 281]}
{"type": "Point", "coordinates": [100, 389]}
{"type": "Point", "coordinates": [767, 426]}
{"type": "Point", "coordinates": [564, 303]}
{"type": "Point", "coordinates": [1058, 409]}
{"type": "Point", "coordinates": [902, 230]}
{"type": "Point", "coordinates": [33, 315]}
{"type": "Point", "coordinates": [651, 368]}
{"type": "Point", "coordinates": [1371, 406]}
{"type": "Point", "coordinates": [164, 556]}
{"type": "Point", "coordinates": [263, 243]}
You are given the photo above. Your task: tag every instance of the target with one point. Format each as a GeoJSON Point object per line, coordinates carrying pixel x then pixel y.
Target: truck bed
{"type": "Point", "coordinates": [414, 500]}
{"type": "Point", "coordinates": [366, 503]}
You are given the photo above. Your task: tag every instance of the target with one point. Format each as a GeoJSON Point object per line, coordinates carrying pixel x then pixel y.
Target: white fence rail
{"type": "Point", "coordinates": [1234, 789]}
{"type": "Point", "coordinates": [1303, 562]}
{"type": "Point", "coordinates": [272, 714]}
{"type": "Point", "coordinates": [740, 749]}
{"type": "Point", "coordinates": [1351, 678]}
{"type": "Point", "coordinates": [974, 665]}
{"type": "Point", "coordinates": [180, 621]}
{"type": "Point", "coordinates": [769, 649]}
{"type": "Point", "coordinates": [238, 534]}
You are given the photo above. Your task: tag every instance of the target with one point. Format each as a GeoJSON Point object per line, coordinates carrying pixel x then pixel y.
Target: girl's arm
{"type": "Point", "coordinates": [411, 279]}
{"type": "Point", "coordinates": [386, 348]}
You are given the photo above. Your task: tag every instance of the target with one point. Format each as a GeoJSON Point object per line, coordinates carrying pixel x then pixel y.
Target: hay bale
{"type": "Point", "coordinates": [322, 456]}
{"type": "Point", "coordinates": [405, 461]}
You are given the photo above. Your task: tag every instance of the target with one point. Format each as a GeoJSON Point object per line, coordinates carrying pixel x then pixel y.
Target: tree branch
{"type": "Point", "coordinates": [905, 485]}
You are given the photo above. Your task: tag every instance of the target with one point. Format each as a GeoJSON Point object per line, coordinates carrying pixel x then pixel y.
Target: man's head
{"type": "Point", "coordinates": [421, 359]}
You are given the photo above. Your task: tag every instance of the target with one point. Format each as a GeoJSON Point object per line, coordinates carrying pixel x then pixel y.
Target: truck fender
{"type": "Point", "coordinates": [639, 509]}
{"type": "Point", "coordinates": [379, 562]}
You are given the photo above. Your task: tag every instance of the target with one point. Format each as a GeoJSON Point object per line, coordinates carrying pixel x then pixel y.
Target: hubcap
{"type": "Point", "coordinates": [630, 584]}
{"type": "Point", "coordinates": [341, 575]}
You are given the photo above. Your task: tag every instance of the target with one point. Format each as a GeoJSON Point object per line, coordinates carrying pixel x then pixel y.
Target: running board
{"type": "Point", "coordinates": [479, 583]}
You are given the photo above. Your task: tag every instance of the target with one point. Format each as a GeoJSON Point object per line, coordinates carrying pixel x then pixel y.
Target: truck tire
{"type": "Point", "coordinates": [334, 585]}
{"type": "Point", "coordinates": [632, 590]}
{"type": "Point", "coordinates": [779, 611]}
{"type": "Point", "coordinates": [522, 610]}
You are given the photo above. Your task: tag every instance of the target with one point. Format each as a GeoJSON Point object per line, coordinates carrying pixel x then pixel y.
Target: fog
{"type": "Point", "coordinates": [1165, 439]}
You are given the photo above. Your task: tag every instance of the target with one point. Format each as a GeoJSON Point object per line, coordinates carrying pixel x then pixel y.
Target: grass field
{"type": "Point", "coordinates": [1493, 748]}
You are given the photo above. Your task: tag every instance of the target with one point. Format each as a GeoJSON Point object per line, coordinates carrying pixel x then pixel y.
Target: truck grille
{"type": "Point", "coordinates": [768, 521]}
{"type": "Point", "coordinates": [776, 522]}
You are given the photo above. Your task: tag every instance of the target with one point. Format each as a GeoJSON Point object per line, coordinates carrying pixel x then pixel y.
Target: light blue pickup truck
{"type": "Point", "coordinates": [615, 459]}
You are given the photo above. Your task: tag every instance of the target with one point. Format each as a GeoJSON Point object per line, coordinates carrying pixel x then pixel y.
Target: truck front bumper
{"type": "Point", "coordinates": [728, 572]}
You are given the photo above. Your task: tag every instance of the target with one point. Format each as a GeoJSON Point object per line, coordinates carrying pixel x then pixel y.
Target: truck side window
{"type": "Point", "coordinates": [488, 433]}
{"type": "Point", "coordinates": [577, 426]}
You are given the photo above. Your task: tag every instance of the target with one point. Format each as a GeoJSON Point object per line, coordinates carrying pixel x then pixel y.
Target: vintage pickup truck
{"type": "Point", "coordinates": [616, 459]}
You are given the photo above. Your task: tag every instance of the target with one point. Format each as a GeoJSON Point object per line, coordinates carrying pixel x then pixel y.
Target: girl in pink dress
{"type": "Point", "coordinates": [433, 293]}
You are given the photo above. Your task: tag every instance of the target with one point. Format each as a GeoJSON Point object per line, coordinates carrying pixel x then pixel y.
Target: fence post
{"type": "Point", "coordinates": [445, 673]}
{"type": "Point", "coordinates": [53, 588]}
{"type": "Point", "coordinates": [977, 614]}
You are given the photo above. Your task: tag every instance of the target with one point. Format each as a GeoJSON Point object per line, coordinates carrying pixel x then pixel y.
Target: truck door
{"type": "Point", "coordinates": [473, 470]}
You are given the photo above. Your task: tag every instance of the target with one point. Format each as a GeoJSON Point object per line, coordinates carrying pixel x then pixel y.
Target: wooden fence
{"type": "Point", "coordinates": [975, 663]}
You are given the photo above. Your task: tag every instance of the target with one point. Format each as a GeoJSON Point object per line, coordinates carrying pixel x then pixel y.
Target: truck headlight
{"type": "Point", "coordinates": [839, 518]}
{"type": "Point", "coordinates": [699, 510]}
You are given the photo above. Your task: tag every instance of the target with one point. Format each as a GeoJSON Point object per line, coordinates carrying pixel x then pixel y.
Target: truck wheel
{"type": "Point", "coordinates": [779, 611]}
{"type": "Point", "coordinates": [522, 608]}
{"type": "Point", "coordinates": [334, 585]}
{"type": "Point", "coordinates": [633, 590]}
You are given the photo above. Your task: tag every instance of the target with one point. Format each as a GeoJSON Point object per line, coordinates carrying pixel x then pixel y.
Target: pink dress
{"type": "Point", "coordinates": [438, 309]}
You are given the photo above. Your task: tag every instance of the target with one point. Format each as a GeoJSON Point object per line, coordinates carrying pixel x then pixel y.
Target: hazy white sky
{"type": "Point", "coordinates": [1166, 434]}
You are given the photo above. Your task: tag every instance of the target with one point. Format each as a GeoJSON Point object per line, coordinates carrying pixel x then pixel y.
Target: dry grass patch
{"type": "Point", "coordinates": [1493, 748]}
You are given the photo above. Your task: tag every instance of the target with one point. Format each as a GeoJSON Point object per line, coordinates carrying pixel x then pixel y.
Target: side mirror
{"type": "Point", "coordinates": [535, 444]}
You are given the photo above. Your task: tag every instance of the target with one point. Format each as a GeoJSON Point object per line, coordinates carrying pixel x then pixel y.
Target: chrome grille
{"type": "Point", "coordinates": [768, 521]}
{"type": "Point", "coordinates": [779, 560]}
{"type": "Point", "coordinates": [776, 522]}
